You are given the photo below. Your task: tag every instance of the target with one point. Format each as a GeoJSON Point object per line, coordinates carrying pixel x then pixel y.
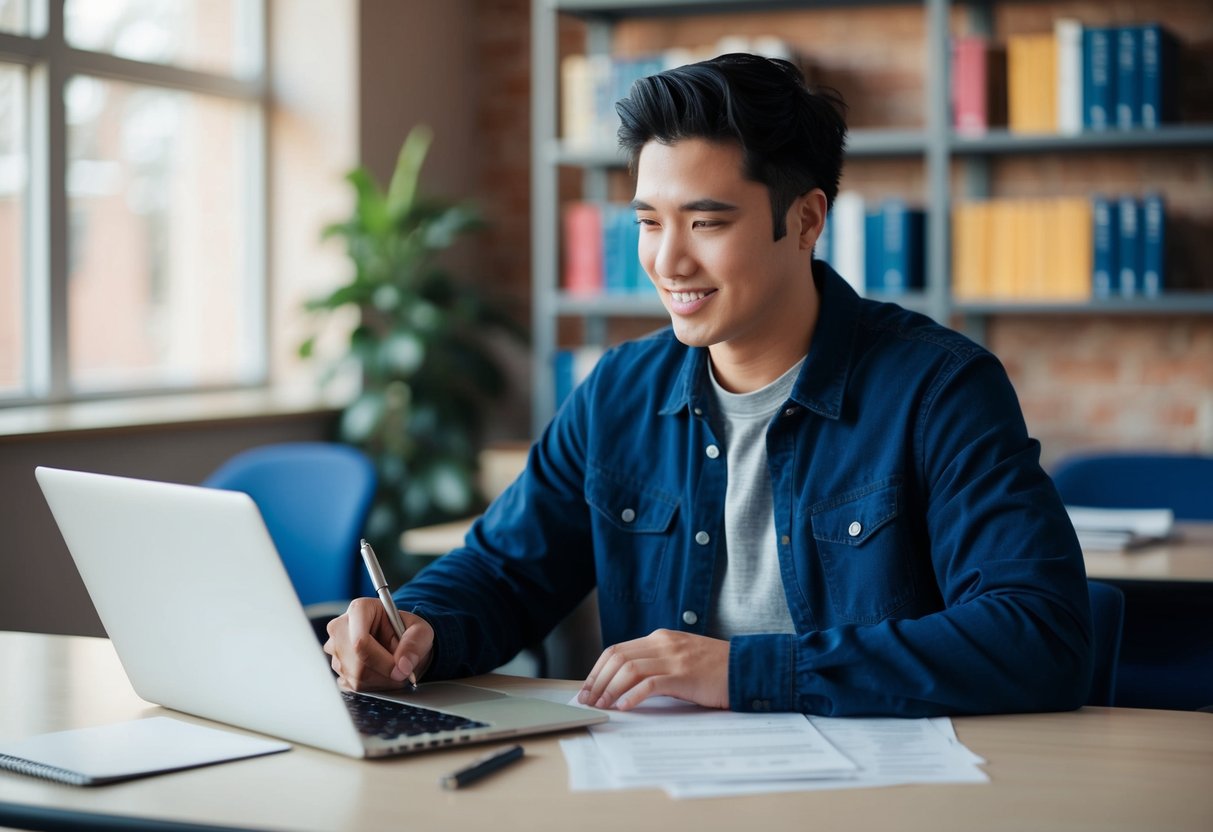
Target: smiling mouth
{"type": "Point", "coordinates": [690, 297]}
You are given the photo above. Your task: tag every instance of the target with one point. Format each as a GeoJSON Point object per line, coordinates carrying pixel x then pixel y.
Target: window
{"type": "Point", "coordinates": [132, 197]}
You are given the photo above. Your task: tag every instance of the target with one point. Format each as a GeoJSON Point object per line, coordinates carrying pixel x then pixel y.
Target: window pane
{"type": "Point", "coordinates": [213, 35]}
{"type": "Point", "coordinates": [14, 16]}
{"type": "Point", "coordinates": [162, 235]}
{"type": "Point", "coordinates": [14, 167]}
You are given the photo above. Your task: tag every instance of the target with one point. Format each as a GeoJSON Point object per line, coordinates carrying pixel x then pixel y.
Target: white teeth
{"type": "Point", "coordinates": [687, 297]}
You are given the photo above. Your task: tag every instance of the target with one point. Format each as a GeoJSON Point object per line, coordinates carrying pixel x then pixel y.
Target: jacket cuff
{"type": "Point", "coordinates": [761, 673]}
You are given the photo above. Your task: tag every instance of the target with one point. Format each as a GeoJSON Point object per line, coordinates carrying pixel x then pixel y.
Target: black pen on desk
{"type": "Point", "coordinates": [385, 595]}
{"type": "Point", "coordinates": [481, 766]}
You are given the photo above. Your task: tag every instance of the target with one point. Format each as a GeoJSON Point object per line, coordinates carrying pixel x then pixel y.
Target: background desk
{"type": "Point", "coordinates": [1098, 768]}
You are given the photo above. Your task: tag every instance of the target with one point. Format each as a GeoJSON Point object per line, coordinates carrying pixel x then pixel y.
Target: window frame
{"type": "Point", "coordinates": [50, 62]}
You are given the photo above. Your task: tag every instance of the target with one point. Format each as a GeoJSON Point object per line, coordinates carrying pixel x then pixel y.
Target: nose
{"type": "Point", "coordinates": [673, 258]}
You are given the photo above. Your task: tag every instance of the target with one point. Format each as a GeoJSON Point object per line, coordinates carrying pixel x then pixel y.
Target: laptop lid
{"type": "Point", "coordinates": [202, 614]}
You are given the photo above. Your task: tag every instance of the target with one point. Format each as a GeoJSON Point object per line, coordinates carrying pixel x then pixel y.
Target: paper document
{"type": "Point", "coordinates": [699, 752]}
{"type": "Point", "coordinates": [662, 744]}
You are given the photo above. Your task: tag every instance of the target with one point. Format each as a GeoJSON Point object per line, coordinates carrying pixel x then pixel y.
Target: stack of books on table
{"type": "Point", "coordinates": [1118, 529]}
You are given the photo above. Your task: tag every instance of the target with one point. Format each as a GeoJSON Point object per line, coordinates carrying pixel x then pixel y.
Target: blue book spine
{"type": "Point", "coordinates": [1098, 78]}
{"type": "Point", "coordinates": [893, 227]}
{"type": "Point", "coordinates": [916, 249]}
{"type": "Point", "coordinates": [1153, 245]}
{"type": "Point", "coordinates": [1159, 65]}
{"type": "Point", "coordinates": [1128, 77]}
{"type": "Point", "coordinates": [873, 252]}
{"type": "Point", "coordinates": [1104, 276]}
{"type": "Point", "coordinates": [614, 251]}
{"type": "Point", "coordinates": [638, 281]}
{"type": "Point", "coordinates": [1129, 246]}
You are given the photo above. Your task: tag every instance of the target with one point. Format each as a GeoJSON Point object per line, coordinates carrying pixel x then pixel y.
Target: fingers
{"type": "Point", "coordinates": [665, 662]}
{"type": "Point", "coordinates": [412, 653]}
{"type": "Point", "coordinates": [361, 643]}
{"type": "Point", "coordinates": [623, 666]}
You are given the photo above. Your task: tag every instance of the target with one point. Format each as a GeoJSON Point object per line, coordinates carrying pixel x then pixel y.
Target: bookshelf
{"type": "Point", "coordinates": [953, 166]}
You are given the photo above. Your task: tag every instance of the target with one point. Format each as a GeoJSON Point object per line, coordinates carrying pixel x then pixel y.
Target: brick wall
{"type": "Point", "coordinates": [1084, 381]}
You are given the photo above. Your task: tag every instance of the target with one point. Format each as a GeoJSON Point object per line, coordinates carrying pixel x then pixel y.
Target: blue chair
{"type": "Point", "coordinates": [314, 498]}
{"type": "Point", "coordinates": [1180, 482]}
{"type": "Point", "coordinates": [1108, 617]}
{"type": "Point", "coordinates": [1166, 658]}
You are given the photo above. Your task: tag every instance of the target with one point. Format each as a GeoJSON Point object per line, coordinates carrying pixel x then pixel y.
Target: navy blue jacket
{"type": "Point", "coordinates": [928, 563]}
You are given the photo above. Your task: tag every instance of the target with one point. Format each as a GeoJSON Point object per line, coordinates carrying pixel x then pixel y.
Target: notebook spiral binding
{"type": "Point", "coordinates": [33, 769]}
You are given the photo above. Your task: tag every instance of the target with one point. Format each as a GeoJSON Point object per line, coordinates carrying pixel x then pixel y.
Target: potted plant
{"type": "Point", "coordinates": [427, 372]}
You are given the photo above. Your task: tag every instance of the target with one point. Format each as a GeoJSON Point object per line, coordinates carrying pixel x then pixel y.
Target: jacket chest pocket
{"type": "Point", "coordinates": [864, 552]}
{"type": "Point", "coordinates": [632, 531]}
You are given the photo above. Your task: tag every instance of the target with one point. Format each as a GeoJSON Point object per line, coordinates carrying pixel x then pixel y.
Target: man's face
{"type": "Point", "coordinates": [706, 243]}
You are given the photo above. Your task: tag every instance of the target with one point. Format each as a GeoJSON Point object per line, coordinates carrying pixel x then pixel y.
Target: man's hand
{"type": "Point", "coordinates": [663, 663]}
{"type": "Point", "coordinates": [366, 653]}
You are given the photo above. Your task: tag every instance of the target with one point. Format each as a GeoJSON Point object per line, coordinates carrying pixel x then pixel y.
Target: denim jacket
{"type": "Point", "coordinates": [928, 563]}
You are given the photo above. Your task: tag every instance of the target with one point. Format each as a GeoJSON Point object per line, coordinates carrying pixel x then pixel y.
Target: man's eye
{"type": "Point", "coordinates": [706, 224]}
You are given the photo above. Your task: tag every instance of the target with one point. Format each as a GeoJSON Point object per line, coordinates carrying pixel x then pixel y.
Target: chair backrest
{"type": "Point", "coordinates": [1180, 482]}
{"type": "Point", "coordinates": [1107, 618]}
{"type": "Point", "coordinates": [314, 498]}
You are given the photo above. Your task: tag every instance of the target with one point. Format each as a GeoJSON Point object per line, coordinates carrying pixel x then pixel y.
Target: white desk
{"type": "Point", "coordinates": [1098, 768]}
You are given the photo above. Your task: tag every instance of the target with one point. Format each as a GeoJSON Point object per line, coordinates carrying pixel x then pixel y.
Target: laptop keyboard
{"type": "Point", "coordinates": [387, 719]}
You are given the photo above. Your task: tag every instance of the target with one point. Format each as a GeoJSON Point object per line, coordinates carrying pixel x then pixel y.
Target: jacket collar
{"type": "Point", "coordinates": [823, 378]}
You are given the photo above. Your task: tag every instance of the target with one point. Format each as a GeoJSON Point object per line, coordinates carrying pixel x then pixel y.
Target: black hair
{"type": "Point", "coordinates": [792, 138]}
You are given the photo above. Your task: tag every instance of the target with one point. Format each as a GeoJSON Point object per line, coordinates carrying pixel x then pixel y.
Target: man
{"type": "Point", "coordinates": [793, 498]}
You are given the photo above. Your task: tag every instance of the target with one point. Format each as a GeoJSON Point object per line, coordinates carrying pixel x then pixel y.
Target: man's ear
{"type": "Point", "coordinates": [811, 212]}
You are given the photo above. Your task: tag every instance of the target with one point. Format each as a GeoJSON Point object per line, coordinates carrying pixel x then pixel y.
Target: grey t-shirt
{"type": "Point", "coordinates": [747, 591]}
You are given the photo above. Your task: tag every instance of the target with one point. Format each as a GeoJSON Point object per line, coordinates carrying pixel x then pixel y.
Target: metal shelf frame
{"type": "Point", "coordinates": [936, 143]}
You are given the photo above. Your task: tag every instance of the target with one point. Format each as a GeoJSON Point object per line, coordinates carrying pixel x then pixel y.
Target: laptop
{"type": "Point", "coordinates": [203, 616]}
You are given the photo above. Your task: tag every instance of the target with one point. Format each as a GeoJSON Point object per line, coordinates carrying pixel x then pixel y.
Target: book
{"type": "Point", "coordinates": [127, 750]}
{"type": "Point", "coordinates": [1128, 77]}
{"type": "Point", "coordinates": [1159, 67]}
{"type": "Point", "coordinates": [1128, 258]}
{"type": "Point", "coordinates": [847, 239]}
{"type": "Point", "coordinates": [583, 239]}
{"type": "Point", "coordinates": [1153, 245]}
{"type": "Point", "coordinates": [571, 367]}
{"type": "Point", "coordinates": [970, 85]}
{"type": "Point", "coordinates": [873, 250]}
{"type": "Point", "coordinates": [1117, 529]}
{"type": "Point", "coordinates": [970, 250]}
{"type": "Point", "coordinates": [576, 102]}
{"type": "Point", "coordinates": [1068, 34]}
{"type": "Point", "coordinates": [901, 236]}
{"type": "Point", "coordinates": [1098, 78]}
{"type": "Point", "coordinates": [1032, 83]}
{"type": "Point", "coordinates": [1105, 224]}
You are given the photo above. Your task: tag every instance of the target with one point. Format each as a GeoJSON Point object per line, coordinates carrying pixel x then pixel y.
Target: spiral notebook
{"type": "Point", "coordinates": [126, 750]}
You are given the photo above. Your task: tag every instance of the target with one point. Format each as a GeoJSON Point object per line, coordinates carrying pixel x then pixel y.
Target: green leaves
{"type": "Point", "coordinates": [428, 373]}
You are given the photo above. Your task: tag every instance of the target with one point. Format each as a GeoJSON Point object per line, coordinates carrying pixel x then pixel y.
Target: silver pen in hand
{"type": "Point", "coordinates": [385, 596]}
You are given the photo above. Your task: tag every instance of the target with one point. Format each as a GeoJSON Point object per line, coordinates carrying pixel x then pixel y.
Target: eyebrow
{"type": "Point", "coordinates": [705, 204]}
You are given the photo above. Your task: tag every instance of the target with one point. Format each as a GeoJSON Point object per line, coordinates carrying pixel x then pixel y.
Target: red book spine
{"type": "Point", "coordinates": [583, 248]}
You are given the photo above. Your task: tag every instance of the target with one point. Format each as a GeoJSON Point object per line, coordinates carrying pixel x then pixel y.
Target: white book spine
{"type": "Point", "coordinates": [847, 244]}
{"type": "Point", "coordinates": [1069, 75]}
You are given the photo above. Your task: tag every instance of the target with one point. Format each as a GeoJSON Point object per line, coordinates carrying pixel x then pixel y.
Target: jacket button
{"type": "Point", "coordinates": [702, 538]}
{"type": "Point", "coordinates": [785, 540]}
{"type": "Point", "coordinates": [855, 528]}
{"type": "Point", "coordinates": [698, 411]}
{"type": "Point", "coordinates": [689, 617]}
{"type": "Point", "coordinates": [791, 411]}
{"type": "Point", "coordinates": [712, 451]}
{"type": "Point", "coordinates": [627, 515]}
